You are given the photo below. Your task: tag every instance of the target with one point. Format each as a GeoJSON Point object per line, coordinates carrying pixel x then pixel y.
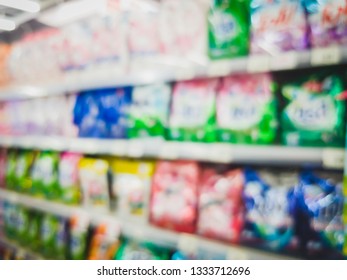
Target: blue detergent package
{"type": "Point", "coordinates": [269, 210]}
{"type": "Point", "coordinates": [319, 215]}
{"type": "Point", "coordinates": [115, 104]}
{"type": "Point", "coordinates": [88, 116]}
{"type": "Point", "coordinates": [102, 113]}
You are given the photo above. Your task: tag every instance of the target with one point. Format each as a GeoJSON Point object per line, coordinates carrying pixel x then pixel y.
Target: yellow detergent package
{"type": "Point", "coordinates": [93, 176]}
{"type": "Point", "coordinates": [131, 186]}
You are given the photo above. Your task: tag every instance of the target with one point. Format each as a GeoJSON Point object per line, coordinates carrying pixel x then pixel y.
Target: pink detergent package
{"type": "Point", "coordinates": [183, 36]}
{"type": "Point", "coordinates": [328, 22]}
{"type": "Point", "coordinates": [221, 212]}
{"type": "Point", "coordinates": [78, 39]}
{"type": "Point", "coordinates": [69, 128]}
{"type": "Point", "coordinates": [277, 26]}
{"type": "Point", "coordinates": [175, 196]}
{"type": "Point", "coordinates": [69, 178]}
{"type": "Point", "coordinates": [145, 50]}
{"type": "Point", "coordinates": [109, 54]}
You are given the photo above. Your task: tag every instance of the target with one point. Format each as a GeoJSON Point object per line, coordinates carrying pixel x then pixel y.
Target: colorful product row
{"type": "Point", "coordinates": [162, 35]}
{"type": "Point", "coordinates": [75, 238]}
{"type": "Point", "coordinates": [276, 210]}
{"type": "Point", "coordinates": [237, 109]}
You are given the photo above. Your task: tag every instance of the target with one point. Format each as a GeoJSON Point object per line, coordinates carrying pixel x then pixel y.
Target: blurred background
{"type": "Point", "coordinates": [172, 129]}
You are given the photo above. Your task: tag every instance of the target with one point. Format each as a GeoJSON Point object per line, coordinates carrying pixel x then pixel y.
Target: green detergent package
{"type": "Point", "coordinates": [193, 109]}
{"type": "Point", "coordinates": [149, 111]}
{"type": "Point", "coordinates": [135, 250]}
{"type": "Point", "coordinates": [45, 176]}
{"type": "Point", "coordinates": [228, 28]}
{"type": "Point", "coordinates": [23, 169]}
{"type": "Point", "coordinates": [22, 225]}
{"type": "Point", "coordinates": [48, 234]}
{"type": "Point", "coordinates": [10, 219]}
{"type": "Point", "coordinates": [314, 115]}
{"type": "Point", "coordinates": [10, 173]}
{"type": "Point", "coordinates": [33, 232]}
{"type": "Point", "coordinates": [79, 226]}
{"type": "Point", "coordinates": [61, 239]}
{"type": "Point", "coordinates": [247, 109]}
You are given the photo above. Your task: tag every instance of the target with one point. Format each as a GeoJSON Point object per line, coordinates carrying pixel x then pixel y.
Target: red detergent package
{"type": "Point", "coordinates": [175, 195]}
{"type": "Point", "coordinates": [220, 205]}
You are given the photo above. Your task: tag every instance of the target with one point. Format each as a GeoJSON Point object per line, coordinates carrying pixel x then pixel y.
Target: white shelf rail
{"type": "Point", "coordinates": [159, 149]}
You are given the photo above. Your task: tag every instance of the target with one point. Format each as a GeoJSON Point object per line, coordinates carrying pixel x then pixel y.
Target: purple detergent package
{"type": "Point", "coordinates": [278, 26]}
{"type": "Point", "coordinates": [328, 22]}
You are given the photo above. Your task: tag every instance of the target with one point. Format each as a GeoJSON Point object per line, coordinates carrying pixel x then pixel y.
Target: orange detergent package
{"type": "Point", "coordinates": [175, 195]}
{"type": "Point", "coordinates": [105, 242]}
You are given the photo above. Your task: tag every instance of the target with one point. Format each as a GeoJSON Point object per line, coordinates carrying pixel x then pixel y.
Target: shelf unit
{"type": "Point", "coordinates": [209, 152]}
{"type": "Point", "coordinates": [93, 79]}
{"type": "Point", "coordinates": [140, 229]}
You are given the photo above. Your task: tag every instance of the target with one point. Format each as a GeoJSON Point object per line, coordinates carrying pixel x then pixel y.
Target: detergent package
{"type": "Point", "coordinates": [10, 172]}
{"type": "Point", "coordinates": [277, 26]}
{"type": "Point", "coordinates": [328, 22]}
{"type": "Point", "coordinates": [193, 111]}
{"type": "Point", "coordinates": [105, 242]}
{"type": "Point", "coordinates": [93, 176]}
{"type": "Point", "coordinates": [270, 205]}
{"type": "Point", "coordinates": [131, 186]}
{"type": "Point", "coordinates": [22, 224]}
{"type": "Point", "coordinates": [320, 206]}
{"type": "Point", "coordinates": [48, 234]}
{"type": "Point", "coordinates": [228, 28]}
{"type": "Point", "coordinates": [24, 164]}
{"type": "Point", "coordinates": [149, 111]}
{"type": "Point", "coordinates": [45, 176]}
{"type": "Point", "coordinates": [183, 37]}
{"type": "Point", "coordinates": [134, 250]}
{"type": "Point", "coordinates": [175, 196]}
{"type": "Point", "coordinates": [34, 230]}
{"type": "Point", "coordinates": [79, 226]}
{"type": "Point", "coordinates": [10, 219]}
{"type": "Point", "coordinates": [88, 116]}
{"type": "Point", "coordinates": [314, 115]}
{"type": "Point", "coordinates": [145, 49]}
{"type": "Point", "coordinates": [68, 178]}
{"type": "Point", "coordinates": [114, 106]}
{"type": "Point", "coordinates": [3, 160]}
{"type": "Point", "coordinates": [246, 110]}
{"type": "Point", "coordinates": [220, 205]}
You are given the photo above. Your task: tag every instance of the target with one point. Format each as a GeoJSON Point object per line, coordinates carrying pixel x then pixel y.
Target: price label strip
{"type": "Point", "coordinates": [258, 63]}
{"type": "Point", "coordinates": [326, 56]}
{"type": "Point", "coordinates": [333, 158]}
{"type": "Point", "coordinates": [285, 61]}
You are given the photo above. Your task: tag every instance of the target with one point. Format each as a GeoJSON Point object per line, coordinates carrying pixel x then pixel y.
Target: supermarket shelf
{"type": "Point", "coordinates": [209, 152]}
{"type": "Point", "coordinates": [21, 252]}
{"type": "Point", "coordinates": [92, 79]}
{"type": "Point", "coordinates": [141, 230]}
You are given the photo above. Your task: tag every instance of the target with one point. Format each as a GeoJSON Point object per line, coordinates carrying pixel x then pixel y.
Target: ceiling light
{"type": "Point", "coordinates": [23, 5]}
{"type": "Point", "coordinates": [7, 24]}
